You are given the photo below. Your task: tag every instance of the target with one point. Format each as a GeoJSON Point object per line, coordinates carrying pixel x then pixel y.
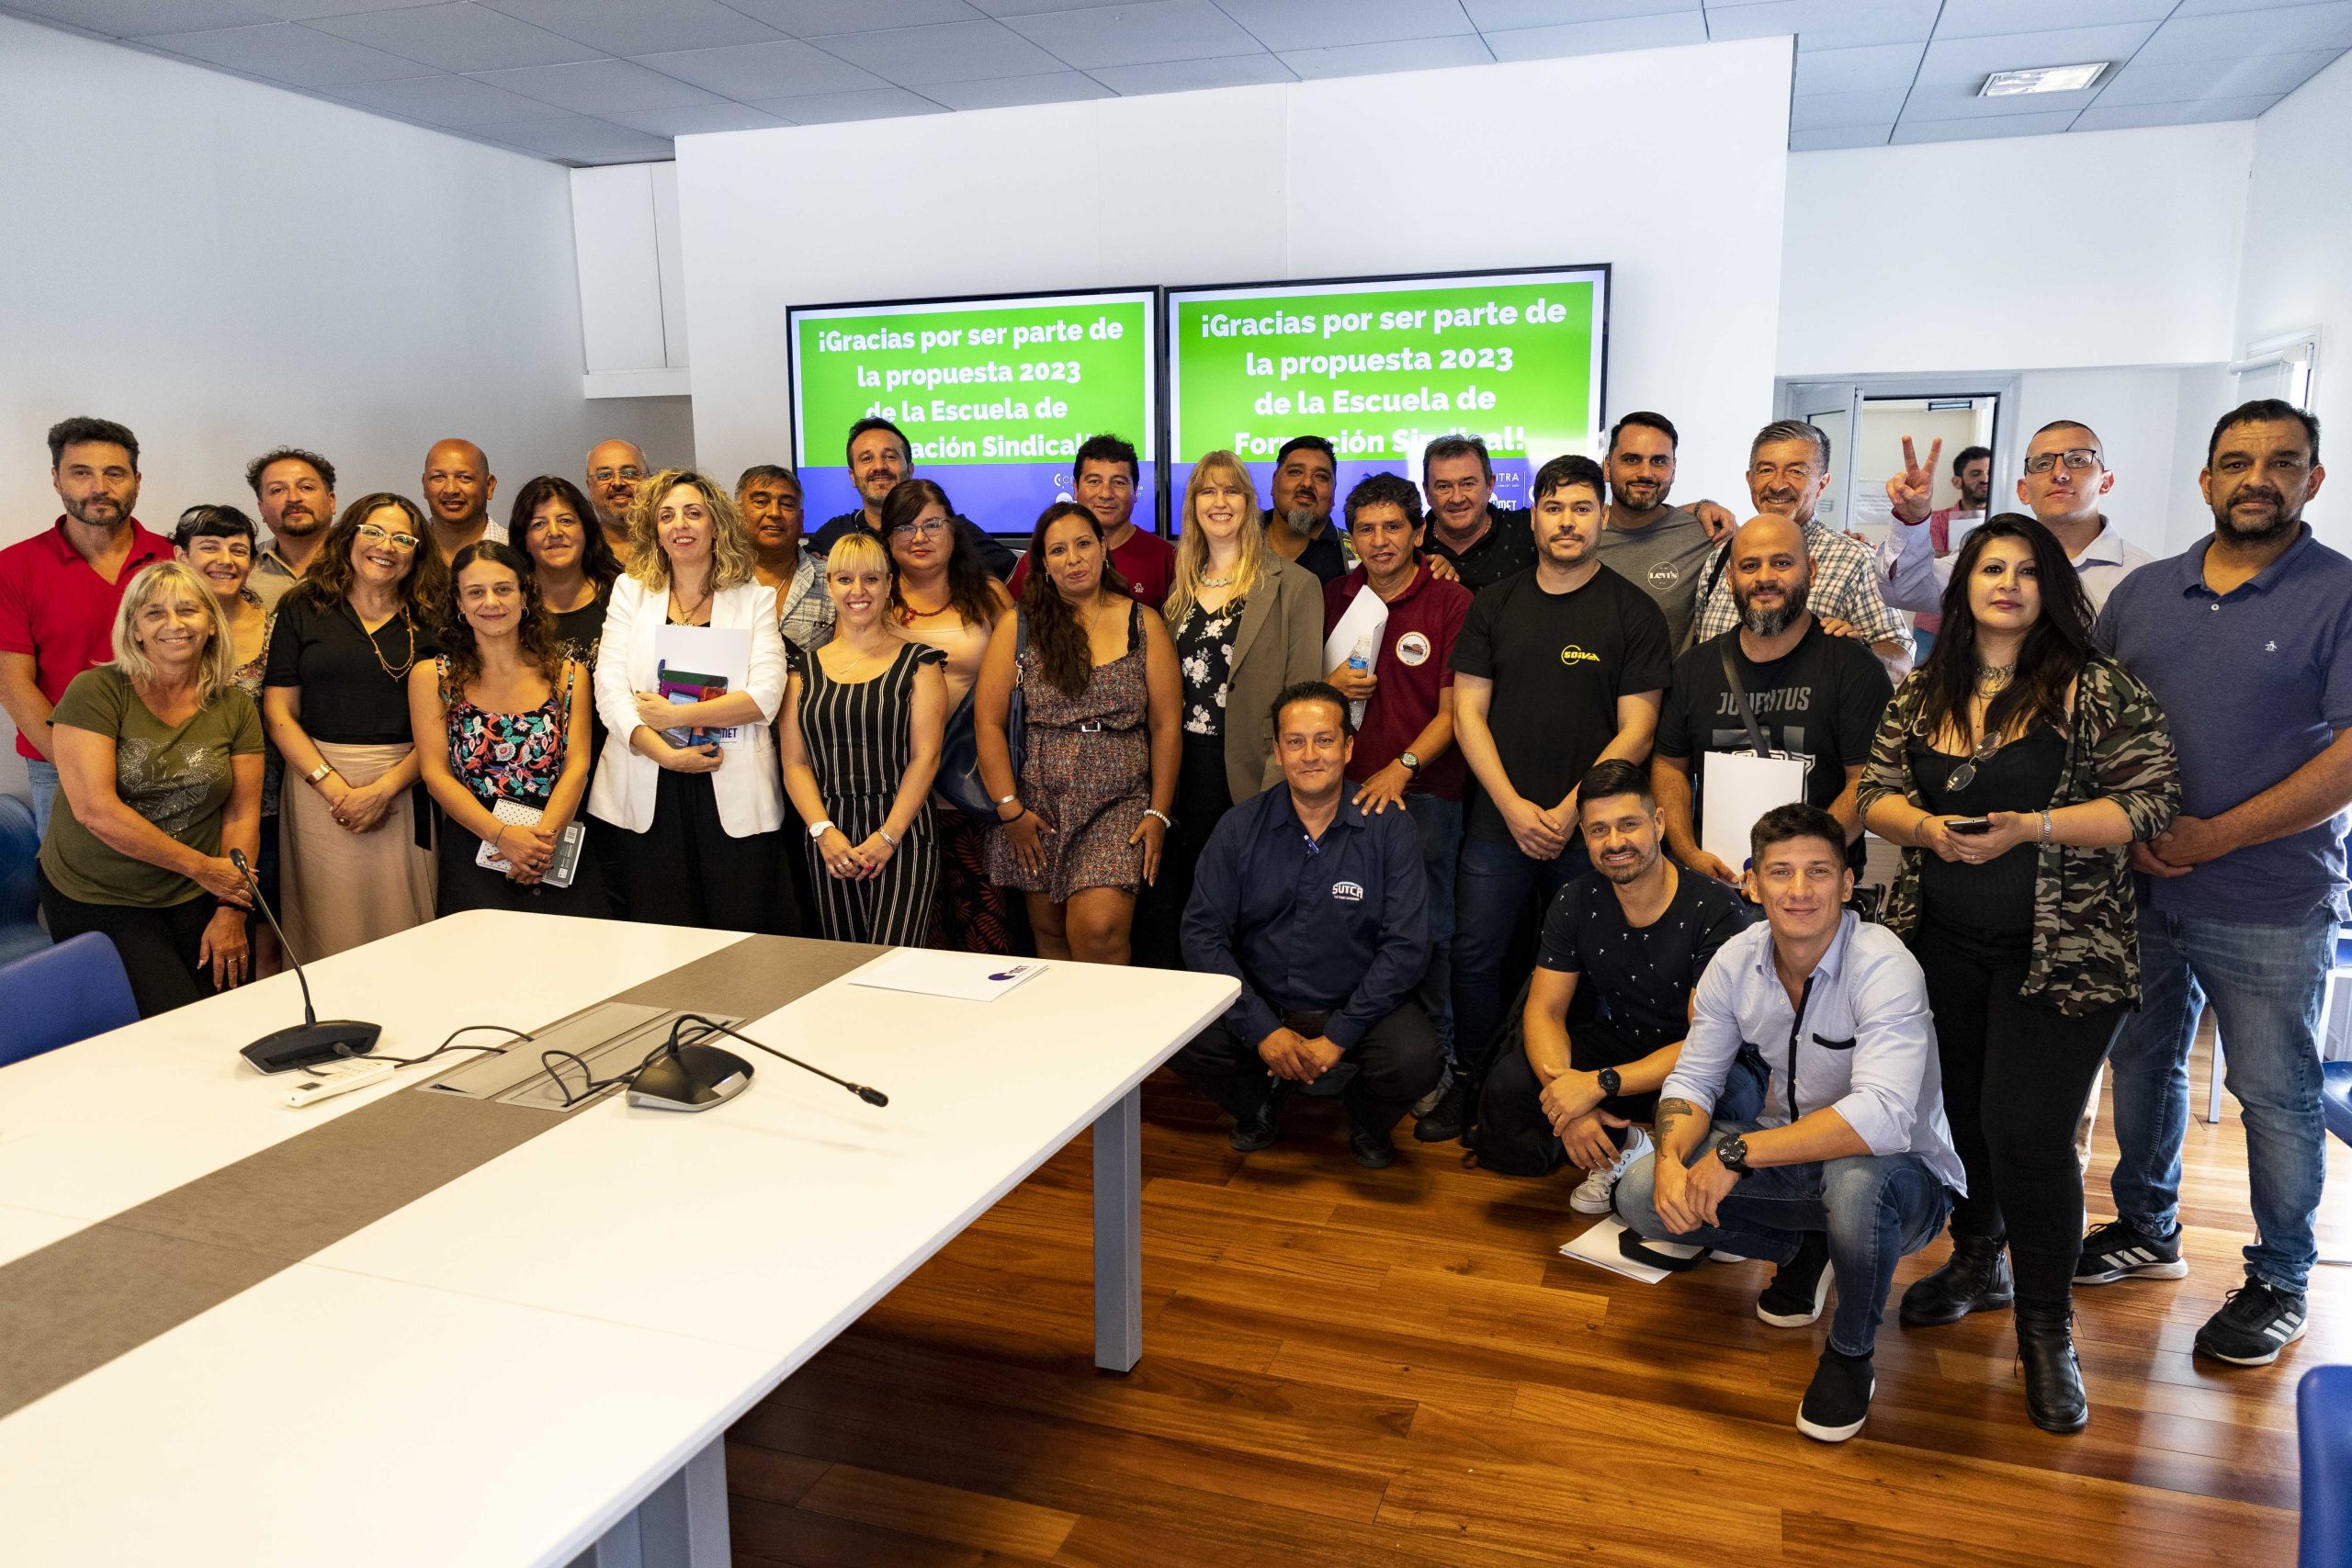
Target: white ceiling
{"type": "Point", "coordinates": [586, 81]}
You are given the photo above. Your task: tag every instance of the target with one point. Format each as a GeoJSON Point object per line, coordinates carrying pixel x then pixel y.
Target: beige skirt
{"type": "Point", "coordinates": [338, 889]}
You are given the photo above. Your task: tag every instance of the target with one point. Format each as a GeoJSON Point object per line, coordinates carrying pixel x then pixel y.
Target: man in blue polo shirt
{"type": "Point", "coordinates": [1320, 911]}
{"type": "Point", "coordinates": [2247, 642]}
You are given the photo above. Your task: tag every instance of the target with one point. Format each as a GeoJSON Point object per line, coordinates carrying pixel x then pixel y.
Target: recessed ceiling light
{"type": "Point", "coordinates": [2040, 79]}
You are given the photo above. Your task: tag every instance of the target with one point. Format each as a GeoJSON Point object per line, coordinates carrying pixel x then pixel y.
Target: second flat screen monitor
{"type": "Point", "coordinates": [1379, 366]}
{"type": "Point", "coordinates": [993, 393]}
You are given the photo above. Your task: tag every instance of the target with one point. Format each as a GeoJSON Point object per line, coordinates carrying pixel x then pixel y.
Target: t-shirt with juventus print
{"type": "Point", "coordinates": [1639, 977]}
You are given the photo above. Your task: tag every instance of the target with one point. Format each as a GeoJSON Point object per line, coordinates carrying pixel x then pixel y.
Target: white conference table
{"type": "Point", "coordinates": [537, 1361]}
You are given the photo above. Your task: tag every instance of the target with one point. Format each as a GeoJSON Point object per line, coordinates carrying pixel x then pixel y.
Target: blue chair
{"type": "Point", "coordinates": [2335, 1098]}
{"type": "Point", "coordinates": [20, 930]}
{"type": "Point", "coordinates": [62, 994]}
{"type": "Point", "coordinates": [2324, 1417]}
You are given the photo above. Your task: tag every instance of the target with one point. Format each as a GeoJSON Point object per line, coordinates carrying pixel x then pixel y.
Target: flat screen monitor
{"type": "Point", "coordinates": [1381, 365]}
{"type": "Point", "coordinates": [994, 393]}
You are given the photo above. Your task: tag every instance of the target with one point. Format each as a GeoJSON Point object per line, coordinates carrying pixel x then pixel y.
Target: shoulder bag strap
{"type": "Point", "coordinates": [1739, 698]}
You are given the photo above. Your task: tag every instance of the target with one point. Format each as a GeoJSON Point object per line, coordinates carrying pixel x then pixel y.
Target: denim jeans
{"type": "Point", "coordinates": [2266, 983]}
{"type": "Point", "coordinates": [1439, 823]}
{"type": "Point", "coordinates": [43, 777]}
{"type": "Point", "coordinates": [1876, 1209]}
{"type": "Point", "coordinates": [1498, 895]}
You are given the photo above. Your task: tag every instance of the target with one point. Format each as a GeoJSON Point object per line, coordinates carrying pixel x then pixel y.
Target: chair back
{"type": "Point", "coordinates": [2324, 1417]}
{"type": "Point", "coordinates": [62, 994]}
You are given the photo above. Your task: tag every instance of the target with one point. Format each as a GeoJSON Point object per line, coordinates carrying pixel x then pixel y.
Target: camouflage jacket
{"type": "Point", "coordinates": [2086, 917]}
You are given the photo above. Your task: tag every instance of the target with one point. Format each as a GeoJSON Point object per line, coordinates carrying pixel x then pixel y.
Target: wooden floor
{"type": "Point", "coordinates": [1347, 1367]}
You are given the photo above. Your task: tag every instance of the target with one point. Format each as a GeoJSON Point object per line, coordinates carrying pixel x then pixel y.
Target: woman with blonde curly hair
{"type": "Point", "coordinates": [699, 818]}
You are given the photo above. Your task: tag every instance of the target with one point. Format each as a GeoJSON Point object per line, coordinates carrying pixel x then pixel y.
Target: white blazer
{"type": "Point", "coordinates": [749, 784]}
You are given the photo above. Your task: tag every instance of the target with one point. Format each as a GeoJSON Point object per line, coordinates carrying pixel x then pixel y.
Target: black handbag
{"type": "Point", "coordinates": [959, 782]}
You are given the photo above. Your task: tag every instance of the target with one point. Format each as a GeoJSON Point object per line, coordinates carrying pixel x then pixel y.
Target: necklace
{"type": "Point", "coordinates": [1993, 678]}
{"type": "Point", "coordinates": [1224, 582]}
{"type": "Point", "coordinates": [377, 649]}
{"type": "Point", "coordinates": [688, 613]}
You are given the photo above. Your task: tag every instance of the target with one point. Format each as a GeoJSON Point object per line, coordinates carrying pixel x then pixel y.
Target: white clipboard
{"type": "Point", "coordinates": [1360, 626]}
{"type": "Point", "coordinates": [1734, 789]}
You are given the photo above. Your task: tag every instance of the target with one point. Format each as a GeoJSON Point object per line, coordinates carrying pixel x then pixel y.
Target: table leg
{"type": "Point", "coordinates": [1118, 1234]}
{"type": "Point", "coordinates": [682, 1525]}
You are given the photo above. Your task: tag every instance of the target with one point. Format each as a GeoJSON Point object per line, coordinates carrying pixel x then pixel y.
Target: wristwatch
{"type": "Point", "coordinates": [1610, 1084]}
{"type": "Point", "coordinates": [321, 770]}
{"type": "Point", "coordinates": [1412, 763]}
{"type": "Point", "coordinates": [1732, 1152]}
{"type": "Point", "coordinates": [818, 830]}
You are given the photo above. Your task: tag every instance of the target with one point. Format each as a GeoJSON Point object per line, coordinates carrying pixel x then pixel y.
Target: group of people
{"type": "Point", "coordinates": [1458, 869]}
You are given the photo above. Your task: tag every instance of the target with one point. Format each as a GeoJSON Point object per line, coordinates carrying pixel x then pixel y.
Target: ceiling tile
{"type": "Point", "coordinates": [579, 140]}
{"type": "Point", "coordinates": [281, 51]}
{"type": "Point", "coordinates": [1316, 24]}
{"type": "Point", "coordinates": [818, 19]}
{"type": "Point", "coordinates": [634, 27]}
{"type": "Point", "coordinates": [1965, 63]}
{"type": "Point", "coordinates": [1990, 18]}
{"type": "Point", "coordinates": [1845, 136]}
{"type": "Point", "coordinates": [1660, 32]}
{"type": "Point", "coordinates": [457, 37]}
{"type": "Point", "coordinates": [310, 10]}
{"type": "Point", "coordinates": [2186, 7]}
{"type": "Point", "coordinates": [2178, 81]}
{"type": "Point", "coordinates": [1828, 111]}
{"type": "Point", "coordinates": [1020, 8]}
{"type": "Point", "coordinates": [1827, 24]}
{"type": "Point", "coordinates": [750, 72]}
{"type": "Point", "coordinates": [695, 120]}
{"type": "Point", "coordinates": [1376, 59]}
{"type": "Point", "coordinates": [1948, 100]}
{"type": "Point", "coordinates": [1138, 34]}
{"type": "Point", "coordinates": [951, 52]}
{"type": "Point", "coordinates": [2290, 30]}
{"type": "Point", "coordinates": [597, 86]}
{"type": "Point", "coordinates": [1872, 67]}
{"type": "Point", "coordinates": [445, 100]}
{"type": "Point", "coordinates": [1499, 16]}
{"type": "Point", "coordinates": [2204, 111]}
{"type": "Point", "coordinates": [133, 18]}
{"type": "Point", "coordinates": [828, 109]}
{"type": "Point", "coordinates": [1004, 92]}
{"type": "Point", "coordinates": [1190, 75]}
{"type": "Point", "coordinates": [2048, 123]}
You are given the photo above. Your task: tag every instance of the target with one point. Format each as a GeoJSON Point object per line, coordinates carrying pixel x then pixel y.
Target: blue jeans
{"type": "Point", "coordinates": [2266, 983]}
{"type": "Point", "coordinates": [1439, 822]}
{"type": "Point", "coordinates": [1498, 895]}
{"type": "Point", "coordinates": [43, 776]}
{"type": "Point", "coordinates": [1876, 1209]}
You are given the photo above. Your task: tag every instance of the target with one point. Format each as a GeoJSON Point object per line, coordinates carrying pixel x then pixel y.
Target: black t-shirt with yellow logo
{"type": "Point", "coordinates": [1559, 663]}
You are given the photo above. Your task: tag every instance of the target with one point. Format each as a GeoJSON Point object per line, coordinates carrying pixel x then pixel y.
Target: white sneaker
{"type": "Point", "coordinates": [1592, 1194]}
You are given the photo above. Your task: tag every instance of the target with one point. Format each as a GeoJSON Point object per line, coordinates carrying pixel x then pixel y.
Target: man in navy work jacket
{"type": "Point", "coordinates": [1321, 912]}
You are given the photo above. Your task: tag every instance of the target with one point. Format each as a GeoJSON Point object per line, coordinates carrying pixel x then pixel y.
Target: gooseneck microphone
{"type": "Point", "coordinates": [695, 1077]}
{"type": "Point", "coordinates": [308, 1041]}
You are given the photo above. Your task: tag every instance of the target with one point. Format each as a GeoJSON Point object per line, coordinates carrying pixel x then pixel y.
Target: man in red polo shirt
{"type": "Point", "coordinates": [1106, 477]}
{"type": "Point", "coordinates": [1405, 754]}
{"type": "Point", "coordinates": [58, 591]}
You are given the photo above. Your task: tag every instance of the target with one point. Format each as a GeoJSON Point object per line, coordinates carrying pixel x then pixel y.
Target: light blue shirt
{"type": "Point", "coordinates": [1864, 1048]}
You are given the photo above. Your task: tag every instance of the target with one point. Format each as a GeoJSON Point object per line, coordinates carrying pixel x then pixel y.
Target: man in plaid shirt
{"type": "Point", "coordinates": [1788, 467]}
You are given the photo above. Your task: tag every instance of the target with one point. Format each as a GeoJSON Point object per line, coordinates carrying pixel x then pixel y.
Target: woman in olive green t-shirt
{"type": "Point", "coordinates": [159, 755]}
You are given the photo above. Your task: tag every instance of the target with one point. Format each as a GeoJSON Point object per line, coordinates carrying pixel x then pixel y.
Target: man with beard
{"type": "Point", "coordinates": [1298, 519]}
{"type": "Point", "coordinates": [1659, 548]}
{"type": "Point", "coordinates": [1812, 695]}
{"type": "Point", "coordinates": [1606, 1011]}
{"type": "Point", "coordinates": [616, 469]}
{"type": "Point", "coordinates": [879, 456]}
{"type": "Point", "coordinates": [1788, 467]}
{"type": "Point", "coordinates": [1971, 476]}
{"type": "Point", "coordinates": [58, 591]}
{"type": "Point", "coordinates": [2246, 642]}
{"type": "Point", "coordinates": [459, 486]}
{"type": "Point", "coordinates": [294, 490]}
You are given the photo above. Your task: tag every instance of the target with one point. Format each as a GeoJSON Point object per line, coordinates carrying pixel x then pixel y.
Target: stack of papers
{"type": "Point", "coordinates": [964, 977]}
{"type": "Point", "coordinates": [1598, 1246]}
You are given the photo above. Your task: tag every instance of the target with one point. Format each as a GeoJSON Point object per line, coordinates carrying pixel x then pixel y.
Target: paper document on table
{"type": "Point", "coordinates": [1597, 1244]}
{"type": "Point", "coordinates": [1734, 789]}
{"type": "Point", "coordinates": [1359, 631]}
{"type": "Point", "coordinates": [966, 977]}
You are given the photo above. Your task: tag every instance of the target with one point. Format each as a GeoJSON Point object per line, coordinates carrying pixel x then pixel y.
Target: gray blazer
{"type": "Point", "coordinates": [1279, 641]}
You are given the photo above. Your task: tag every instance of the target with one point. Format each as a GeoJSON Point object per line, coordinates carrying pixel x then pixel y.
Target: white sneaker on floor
{"type": "Point", "coordinates": [1592, 1194]}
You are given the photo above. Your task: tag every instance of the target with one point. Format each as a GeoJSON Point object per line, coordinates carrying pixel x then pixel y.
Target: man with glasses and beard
{"type": "Point", "coordinates": [614, 469]}
{"type": "Point", "coordinates": [1812, 696]}
{"type": "Point", "coordinates": [2246, 642]}
{"type": "Point", "coordinates": [294, 491]}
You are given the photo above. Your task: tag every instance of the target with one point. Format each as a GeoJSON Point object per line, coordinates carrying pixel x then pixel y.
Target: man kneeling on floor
{"type": "Point", "coordinates": [1623, 949]}
{"type": "Point", "coordinates": [1850, 1165]}
{"type": "Point", "coordinates": [1321, 911]}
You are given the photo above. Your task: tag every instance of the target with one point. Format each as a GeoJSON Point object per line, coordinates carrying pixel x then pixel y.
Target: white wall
{"type": "Point", "coordinates": [1251, 184]}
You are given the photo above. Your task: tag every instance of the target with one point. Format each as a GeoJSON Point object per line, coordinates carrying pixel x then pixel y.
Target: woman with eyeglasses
{"type": "Point", "coordinates": [2015, 768]}
{"type": "Point", "coordinates": [218, 543]}
{"type": "Point", "coordinates": [356, 854]}
{"type": "Point", "coordinates": [944, 598]}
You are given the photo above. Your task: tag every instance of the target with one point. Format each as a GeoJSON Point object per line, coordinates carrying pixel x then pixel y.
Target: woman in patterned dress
{"type": "Point", "coordinates": [1087, 820]}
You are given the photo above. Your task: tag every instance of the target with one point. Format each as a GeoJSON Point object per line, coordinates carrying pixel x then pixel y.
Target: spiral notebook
{"type": "Point", "coordinates": [514, 814]}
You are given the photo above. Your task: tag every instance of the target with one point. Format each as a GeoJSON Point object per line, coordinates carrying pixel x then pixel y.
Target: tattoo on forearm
{"type": "Point", "coordinates": [1669, 1112]}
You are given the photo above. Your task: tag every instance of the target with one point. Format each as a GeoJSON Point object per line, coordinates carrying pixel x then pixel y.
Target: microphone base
{"type": "Point", "coordinates": [307, 1044]}
{"type": "Point", "coordinates": [692, 1078]}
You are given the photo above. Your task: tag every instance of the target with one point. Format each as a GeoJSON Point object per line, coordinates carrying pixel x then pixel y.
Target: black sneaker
{"type": "Point", "coordinates": [1443, 1122]}
{"type": "Point", "coordinates": [1799, 1290]}
{"type": "Point", "coordinates": [2121, 1250]}
{"type": "Point", "coordinates": [1247, 1137]}
{"type": "Point", "coordinates": [1369, 1147]}
{"type": "Point", "coordinates": [2255, 1324]}
{"type": "Point", "coordinates": [1838, 1401]}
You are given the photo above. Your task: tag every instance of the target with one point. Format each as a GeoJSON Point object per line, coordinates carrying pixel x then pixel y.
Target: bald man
{"type": "Point", "coordinates": [457, 488]}
{"type": "Point", "coordinates": [614, 469]}
{"type": "Point", "coordinates": [1811, 695]}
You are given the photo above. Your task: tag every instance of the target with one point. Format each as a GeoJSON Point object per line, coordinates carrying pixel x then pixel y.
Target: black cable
{"type": "Point", "coordinates": [595, 1084]}
{"type": "Point", "coordinates": [345, 1054]}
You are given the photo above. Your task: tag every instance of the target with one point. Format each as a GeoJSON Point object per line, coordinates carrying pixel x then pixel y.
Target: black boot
{"type": "Point", "coordinates": [1974, 1279]}
{"type": "Point", "coordinates": [2054, 1399]}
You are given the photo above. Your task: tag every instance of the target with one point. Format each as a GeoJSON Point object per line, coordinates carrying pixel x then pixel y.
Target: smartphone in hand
{"type": "Point", "coordinates": [1970, 825]}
